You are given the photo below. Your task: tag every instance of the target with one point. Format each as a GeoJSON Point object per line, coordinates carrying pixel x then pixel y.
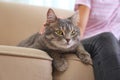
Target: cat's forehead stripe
{"type": "Point", "coordinates": [69, 27]}
{"type": "Point", "coordinates": [66, 26]}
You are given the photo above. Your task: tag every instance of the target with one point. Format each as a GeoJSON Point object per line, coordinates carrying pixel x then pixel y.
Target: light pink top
{"type": "Point", "coordinates": [104, 16]}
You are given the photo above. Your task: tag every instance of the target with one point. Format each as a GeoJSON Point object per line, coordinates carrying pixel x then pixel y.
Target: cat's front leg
{"type": "Point", "coordinates": [59, 62]}
{"type": "Point", "coordinates": [84, 55]}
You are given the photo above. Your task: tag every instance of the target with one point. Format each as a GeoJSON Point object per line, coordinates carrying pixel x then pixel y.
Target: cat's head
{"type": "Point", "coordinates": [62, 33]}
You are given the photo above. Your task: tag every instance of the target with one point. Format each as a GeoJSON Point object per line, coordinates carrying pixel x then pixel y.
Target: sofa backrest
{"type": "Point", "coordinates": [18, 21]}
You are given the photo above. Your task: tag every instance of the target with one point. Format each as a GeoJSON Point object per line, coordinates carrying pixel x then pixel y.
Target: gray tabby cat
{"type": "Point", "coordinates": [61, 36]}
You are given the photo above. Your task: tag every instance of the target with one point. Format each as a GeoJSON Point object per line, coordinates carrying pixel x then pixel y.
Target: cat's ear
{"type": "Point", "coordinates": [51, 16]}
{"type": "Point", "coordinates": [75, 18]}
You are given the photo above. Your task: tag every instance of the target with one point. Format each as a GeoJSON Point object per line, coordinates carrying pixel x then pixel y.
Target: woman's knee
{"type": "Point", "coordinates": [106, 36]}
{"type": "Point", "coordinates": [106, 41]}
{"type": "Point", "coordinates": [109, 44]}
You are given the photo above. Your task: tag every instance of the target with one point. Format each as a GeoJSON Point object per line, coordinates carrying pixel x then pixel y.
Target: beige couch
{"type": "Point", "coordinates": [18, 21]}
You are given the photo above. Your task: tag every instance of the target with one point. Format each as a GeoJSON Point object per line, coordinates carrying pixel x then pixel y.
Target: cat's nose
{"type": "Point", "coordinates": [67, 40]}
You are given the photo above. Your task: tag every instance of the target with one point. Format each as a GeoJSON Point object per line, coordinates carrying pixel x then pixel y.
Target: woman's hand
{"type": "Point", "coordinates": [42, 30]}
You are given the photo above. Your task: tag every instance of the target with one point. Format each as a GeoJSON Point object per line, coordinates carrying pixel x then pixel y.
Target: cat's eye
{"type": "Point", "coordinates": [59, 32]}
{"type": "Point", "coordinates": [73, 32]}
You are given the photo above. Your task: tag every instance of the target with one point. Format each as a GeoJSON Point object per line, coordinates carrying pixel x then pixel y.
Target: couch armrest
{"type": "Point", "coordinates": [18, 63]}
{"type": "Point", "coordinates": [24, 52]}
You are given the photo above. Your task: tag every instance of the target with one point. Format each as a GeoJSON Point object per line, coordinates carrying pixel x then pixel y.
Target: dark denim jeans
{"type": "Point", "coordinates": [105, 52]}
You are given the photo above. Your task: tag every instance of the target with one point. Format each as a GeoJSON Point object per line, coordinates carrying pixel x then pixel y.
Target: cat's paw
{"type": "Point", "coordinates": [85, 58]}
{"type": "Point", "coordinates": [61, 65]}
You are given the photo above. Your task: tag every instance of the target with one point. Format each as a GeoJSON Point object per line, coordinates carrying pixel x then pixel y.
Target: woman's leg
{"type": "Point", "coordinates": [119, 41]}
{"type": "Point", "coordinates": [105, 52]}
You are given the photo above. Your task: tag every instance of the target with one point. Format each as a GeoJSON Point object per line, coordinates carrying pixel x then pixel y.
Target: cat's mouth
{"type": "Point", "coordinates": [68, 43]}
{"type": "Point", "coordinates": [63, 44]}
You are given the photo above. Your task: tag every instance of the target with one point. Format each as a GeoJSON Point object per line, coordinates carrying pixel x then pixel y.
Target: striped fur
{"type": "Point", "coordinates": [61, 36]}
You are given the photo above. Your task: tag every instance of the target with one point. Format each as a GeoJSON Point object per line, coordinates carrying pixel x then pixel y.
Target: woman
{"type": "Point", "coordinates": [100, 26]}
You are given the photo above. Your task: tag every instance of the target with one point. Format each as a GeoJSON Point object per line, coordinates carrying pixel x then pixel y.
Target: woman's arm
{"type": "Point", "coordinates": [84, 15]}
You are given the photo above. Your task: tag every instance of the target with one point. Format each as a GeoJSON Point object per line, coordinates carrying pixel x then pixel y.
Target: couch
{"type": "Point", "coordinates": [18, 21]}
